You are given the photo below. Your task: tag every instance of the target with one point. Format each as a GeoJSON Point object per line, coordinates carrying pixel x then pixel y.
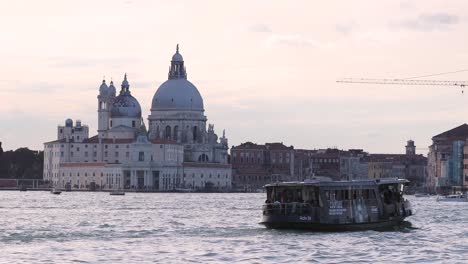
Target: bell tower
{"type": "Point", "coordinates": [103, 109]}
{"type": "Point", "coordinates": [410, 148]}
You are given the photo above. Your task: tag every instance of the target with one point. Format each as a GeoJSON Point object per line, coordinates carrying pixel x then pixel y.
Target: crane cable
{"type": "Point", "coordinates": [435, 74]}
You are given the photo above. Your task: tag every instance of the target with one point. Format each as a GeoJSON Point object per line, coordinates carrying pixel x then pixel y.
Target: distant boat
{"type": "Point", "coordinates": [183, 190]}
{"type": "Point", "coordinates": [422, 195]}
{"type": "Point", "coordinates": [117, 192]}
{"type": "Point", "coordinates": [459, 197]}
{"type": "Point", "coordinates": [55, 191]}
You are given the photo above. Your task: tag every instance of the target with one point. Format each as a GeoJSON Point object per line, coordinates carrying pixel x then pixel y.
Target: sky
{"type": "Point", "coordinates": [267, 70]}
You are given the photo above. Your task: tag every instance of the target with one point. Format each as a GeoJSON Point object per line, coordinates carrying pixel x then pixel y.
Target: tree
{"type": "Point", "coordinates": [21, 163]}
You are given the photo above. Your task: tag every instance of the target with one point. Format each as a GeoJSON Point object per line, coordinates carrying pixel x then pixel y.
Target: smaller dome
{"type": "Point", "coordinates": [103, 88]}
{"type": "Point", "coordinates": [125, 105]}
{"type": "Point", "coordinates": [112, 90]}
{"type": "Point", "coordinates": [69, 122]}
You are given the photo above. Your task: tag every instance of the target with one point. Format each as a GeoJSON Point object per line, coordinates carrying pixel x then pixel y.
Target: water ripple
{"type": "Point", "coordinates": [36, 227]}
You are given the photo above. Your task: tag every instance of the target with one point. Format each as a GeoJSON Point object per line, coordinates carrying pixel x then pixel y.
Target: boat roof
{"type": "Point", "coordinates": [319, 183]}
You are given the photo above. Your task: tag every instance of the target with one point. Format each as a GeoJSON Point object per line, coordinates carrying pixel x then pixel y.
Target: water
{"type": "Point", "coordinates": [38, 227]}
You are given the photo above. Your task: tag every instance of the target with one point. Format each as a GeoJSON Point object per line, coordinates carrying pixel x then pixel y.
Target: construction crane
{"type": "Point", "coordinates": [462, 84]}
{"type": "Point", "coordinates": [410, 81]}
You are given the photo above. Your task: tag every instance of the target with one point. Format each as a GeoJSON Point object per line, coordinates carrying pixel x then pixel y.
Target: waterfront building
{"type": "Point", "coordinates": [255, 165]}
{"type": "Point", "coordinates": [410, 166]}
{"type": "Point", "coordinates": [326, 162]}
{"type": "Point", "coordinates": [353, 165]}
{"type": "Point", "coordinates": [177, 152]}
{"type": "Point", "coordinates": [447, 167]}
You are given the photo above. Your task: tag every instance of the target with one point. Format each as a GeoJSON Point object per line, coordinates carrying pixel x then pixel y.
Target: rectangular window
{"type": "Point", "coordinates": [116, 154]}
{"type": "Point", "coordinates": [86, 154]}
{"type": "Point", "coordinates": [141, 156]}
{"type": "Point", "coordinates": [61, 154]}
{"type": "Point", "coordinates": [105, 154]}
{"type": "Point", "coordinates": [94, 154]}
{"type": "Point", "coordinates": [127, 154]}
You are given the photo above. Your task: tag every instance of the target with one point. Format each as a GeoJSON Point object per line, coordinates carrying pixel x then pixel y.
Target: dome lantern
{"type": "Point", "coordinates": [177, 69]}
{"type": "Point", "coordinates": [125, 86]}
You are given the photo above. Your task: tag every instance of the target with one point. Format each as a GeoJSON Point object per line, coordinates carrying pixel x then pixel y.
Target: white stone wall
{"type": "Point", "coordinates": [124, 121]}
{"type": "Point", "coordinates": [76, 134]}
{"type": "Point", "coordinates": [198, 177]}
{"type": "Point", "coordinates": [52, 162]}
{"type": "Point", "coordinates": [81, 176]}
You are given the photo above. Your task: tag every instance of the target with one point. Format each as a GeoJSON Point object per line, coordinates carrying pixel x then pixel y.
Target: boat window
{"type": "Point", "coordinates": [311, 196]}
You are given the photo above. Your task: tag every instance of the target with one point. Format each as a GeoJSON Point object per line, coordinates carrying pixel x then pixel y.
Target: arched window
{"type": "Point", "coordinates": [176, 132]}
{"type": "Point", "coordinates": [195, 133]}
{"type": "Point", "coordinates": [168, 132]}
{"type": "Point", "coordinates": [203, 158]}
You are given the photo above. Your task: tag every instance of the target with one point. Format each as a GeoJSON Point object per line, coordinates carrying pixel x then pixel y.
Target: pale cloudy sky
{"type": "Point", "coordinates": [266, 69]}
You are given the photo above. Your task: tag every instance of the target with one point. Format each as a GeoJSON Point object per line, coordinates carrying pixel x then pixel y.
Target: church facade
{"type": "Point", "coordinates": [178, 151]}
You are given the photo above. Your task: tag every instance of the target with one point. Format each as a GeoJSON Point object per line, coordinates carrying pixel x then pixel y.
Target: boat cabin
{"type": "Point", "coordinates": [335, 202]}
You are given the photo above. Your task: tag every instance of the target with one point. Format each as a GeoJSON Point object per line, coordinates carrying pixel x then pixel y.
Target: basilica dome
{"type": "Point", "coordinates": [177, 93]}
{"type": "Point", "coordinates": [125, 105]}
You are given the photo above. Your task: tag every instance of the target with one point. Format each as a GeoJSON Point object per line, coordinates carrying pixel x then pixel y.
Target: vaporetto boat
{"type": "Point", "coordinates": [323, 205]}
{"type": "Point", "coordinates": [459, 197]}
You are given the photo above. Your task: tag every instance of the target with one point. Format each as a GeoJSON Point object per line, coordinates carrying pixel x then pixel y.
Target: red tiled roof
{"type": "Point", "coordinates": [459, 132]}
{"type": "Point", "coordinates": [95, 139]}
{"type": "Point", "coordinates": [249, 145]}
{"type": "Point", "coordinates": [163, 141]}
{"type": "Point", "coordinates": [83, 164]}
{"type": "Point", "coordinates": [277, 145]}
{"type": "Point", "coordinates": [56, 141]}
{"type": "Point", "coordinates": [208, 165]}
{"type": "Point", "coordinates": [395, 158]}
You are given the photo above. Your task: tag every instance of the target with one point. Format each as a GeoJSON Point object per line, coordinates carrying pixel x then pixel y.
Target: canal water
{"type": "Point", "coordinates": [77, 227]}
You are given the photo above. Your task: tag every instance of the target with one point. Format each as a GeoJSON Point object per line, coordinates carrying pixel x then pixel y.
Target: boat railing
{"type": "Point", "coordinates": [293, 208]}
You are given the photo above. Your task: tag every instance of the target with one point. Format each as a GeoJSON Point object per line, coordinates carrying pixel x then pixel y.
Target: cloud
{"type": "Point", "coordinates": [259, 28]}
{"type": "Point", "coordinates": [345, 28]}
{"type": "Point", "coordinates": [20, 87]}
{"type": "Point", "coordinates": [429, 22]}
{"type": "Point", "coordinates": [290, 40]}
{"type": "Point", "coordinates": [78, 62]}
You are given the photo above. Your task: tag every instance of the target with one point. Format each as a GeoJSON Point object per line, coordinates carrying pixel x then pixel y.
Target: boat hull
{"type": "Point", "coordinates": [117, 193]}
{"type": "Point", "coordinates": [389, 224]}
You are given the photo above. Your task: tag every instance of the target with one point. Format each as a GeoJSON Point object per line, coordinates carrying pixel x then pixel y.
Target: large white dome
{"type": "Point", "coordinates": [177, 94]}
